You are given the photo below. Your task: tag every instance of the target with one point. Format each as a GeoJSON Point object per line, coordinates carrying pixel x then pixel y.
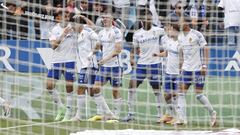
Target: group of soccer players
{"type": "Point", "coordinates": [186, 64]}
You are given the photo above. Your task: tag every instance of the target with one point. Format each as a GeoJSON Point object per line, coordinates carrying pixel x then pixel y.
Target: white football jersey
{"type": "Point", "coordinates": [191, 44]}
{"type": "Point", "coordinates": [87, 40]}
{"type": "Point", "coordinates": [149, 44]}
{"type": "Point", "coordinates": [108, 38]}
{"type": "Point", "coordinates": [141, 2]}
{"type": "Point", "coordinates": [121, 3]}
{"type": "Point", "coordinates": [66, 51]}
{"type": "Point", "coordinates": [172, 47]}
{"type": "Point", "coordinates": [231, 12]}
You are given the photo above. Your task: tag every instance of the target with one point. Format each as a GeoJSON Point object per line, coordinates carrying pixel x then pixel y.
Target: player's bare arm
{"type": "Point", "coordinates": [161, 54]}
{"type": "Point", "coordinates": [55, 43]}
{"type": "Point", "coordinates": [88, 21]}
{"type": "Point", "coordinates": [205, 60]}
{"type": "Point", "coordinates": [117, 50]}
{"type": "Point", "coordinates": [180, 59]}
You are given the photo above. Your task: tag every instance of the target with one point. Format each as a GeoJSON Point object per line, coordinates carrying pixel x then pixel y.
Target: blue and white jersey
{"type": "Point", "coordinates": [191, 44]}
{"type": "Point", "coordinates": [108, 38]}
{"type": "Point", "coordinates": [66, 51]}
{"type": "Point", "coordinates": [86, 41]}
{"type": "Point", "coordinates": [149, 44]}
{"type": "Point", "coordinates": [172, 47]}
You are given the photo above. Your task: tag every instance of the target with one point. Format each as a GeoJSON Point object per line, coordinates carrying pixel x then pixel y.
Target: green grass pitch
{"type": "Point", "coordinates": [223, 93]}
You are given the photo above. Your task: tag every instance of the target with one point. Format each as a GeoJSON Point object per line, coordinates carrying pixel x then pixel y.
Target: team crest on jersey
{"type": "Point", "coordinates": [154, 33]}
{"type": "Point", "coordinates": [190, 40]}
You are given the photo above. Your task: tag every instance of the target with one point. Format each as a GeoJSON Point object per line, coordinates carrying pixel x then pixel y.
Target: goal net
{"type": "Point", "coordinates": [26, 55]}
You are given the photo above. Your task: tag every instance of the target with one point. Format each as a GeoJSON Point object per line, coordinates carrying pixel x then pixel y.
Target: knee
{"type": "Point", "coordinates": [95, 89]}
{"type": "Point", "coordinates": [50, 86]}
{"type": "Point", "coordinates": [69, 87]}
{"type": "Point", "coordinates": [167, 97]}
{"type": "Point", "coordinates": [116, 94]}
{"type": "Point", "coordinates": [81, 90]}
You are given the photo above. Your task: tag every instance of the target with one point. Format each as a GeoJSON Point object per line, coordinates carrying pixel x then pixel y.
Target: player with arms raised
{"type": "Point", "coordinates": [62, 40]}
{"type": "Point", "coordinates": [87, 43]}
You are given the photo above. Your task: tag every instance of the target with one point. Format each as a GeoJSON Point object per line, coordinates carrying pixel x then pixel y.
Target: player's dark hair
{"type": "Point", "coordinates": [176, 27]}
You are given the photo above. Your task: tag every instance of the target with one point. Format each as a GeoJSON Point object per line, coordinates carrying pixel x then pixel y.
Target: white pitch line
{"type": "Point", "coordinates": [34, 124]}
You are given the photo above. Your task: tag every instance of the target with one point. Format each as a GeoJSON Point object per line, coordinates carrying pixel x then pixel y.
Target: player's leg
{"type": "Point", "coordinates": [6, 107]}
{"type": "Point", "coordinates": [137, 78]}
{"type": "Point", "coordinates": [116, 81]}
{"type": "Point", "coordinates": [81, 98]}
{"type": "Point", "coordinates": [86, 81]}
{"type": "Point", "coordinates": [186, 80]}
{"type": "Point", "coordinates": [170, 88]}
{"type": "Point", "coordinates": [155, 73]}
{"type": "Point", "coordinates": [199, 85]}
{"type": "Point", "coordinates": [98, 97]}
{"type": "Point", "coordinates": [69, 79]}
{"type": "Point", "coordinates": [52, 77]}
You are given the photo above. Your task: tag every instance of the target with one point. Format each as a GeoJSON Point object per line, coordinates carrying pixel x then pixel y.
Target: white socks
{"type": "Point", "coordinates": [117, 103]}
{"type": "Point", "coordinates": [81, 103]}
{"type": "Point", "coordinates": [56, 97]}
{"type": "Point", "coordinates": [204, 100]}
{"type": "Point", "coordinates": [69, 104]}
{"type": "Point", "coordinates": [100, 101]}
{"type": "Point", "coordinates": [159, 100]}
{"type": "Point", "coordinates": [131, 100]}
{"type": "Point", "coordinates": [181, 106]}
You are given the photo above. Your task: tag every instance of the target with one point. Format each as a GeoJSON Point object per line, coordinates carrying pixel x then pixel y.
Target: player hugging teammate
{"type": "Point", "coordinates": [181, 45]}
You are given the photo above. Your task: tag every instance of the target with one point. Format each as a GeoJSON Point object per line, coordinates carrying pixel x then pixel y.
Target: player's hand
{"type": "Point", "coordinates": [101, 62]}
{"type": "Point", "coordinates": [67, 30]}
{"type": "Point", "coordinates": [78, 16]}
{"type": "Point", "coordinates": [204, 71]}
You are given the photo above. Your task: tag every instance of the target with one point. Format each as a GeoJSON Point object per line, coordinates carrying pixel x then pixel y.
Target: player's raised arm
{"type": "Point", "coordinates": [89, 22]}
{"type": "Point", "coordinates": [57, 36]}
{"type": "Point", "coordinates": [55, 41]}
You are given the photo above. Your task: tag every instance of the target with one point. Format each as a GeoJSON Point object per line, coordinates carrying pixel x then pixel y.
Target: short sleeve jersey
{"type": "Point", "coordinates": [108, 38]}
{"type": "Point", "coordinates": [149, 44]}
{"type": "Point", "coordinates": [191, 44]}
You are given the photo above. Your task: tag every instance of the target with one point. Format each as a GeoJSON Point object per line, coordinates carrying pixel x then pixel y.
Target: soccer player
{"type": "Point", "coordinates": [172, 71]}
{"type": "Point", "coordinates": [87, 46]}
{"type": "Point", "coordinates": [146, 43]}
{"type": "Point", "coordinates": [110, 65]}
{"type": "Point", "coordinates": [194, 69]}
{"type": "Point", "coordinates": [62, 40]}
{"type": "Point", "coordinates": [6, 107]}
